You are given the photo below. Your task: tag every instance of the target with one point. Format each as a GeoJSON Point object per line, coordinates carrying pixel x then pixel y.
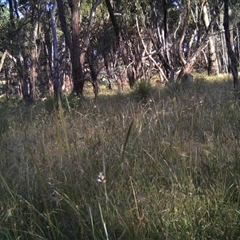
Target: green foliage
{"type": "Point", "coordinates": [117, 169]}
{"type": "Point", "coordinates": [4, 24]}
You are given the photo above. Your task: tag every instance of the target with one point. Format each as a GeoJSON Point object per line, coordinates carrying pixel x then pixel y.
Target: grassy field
{"type": "Point", "coordinates": [152, 163]}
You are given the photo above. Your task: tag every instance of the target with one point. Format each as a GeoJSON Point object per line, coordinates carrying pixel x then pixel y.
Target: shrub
{"type": "Point", "coordinates": [143, 89]}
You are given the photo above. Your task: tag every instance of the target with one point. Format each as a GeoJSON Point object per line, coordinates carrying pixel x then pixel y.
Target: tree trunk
{"type": "Point", "coordinates": [188, 66]}
{"type": "Point", "coordinates": [33, 64]}
{"type": "Point", "coordinates": [86, 47]}
{"type": "Point", "coordinates": [190, 61]}
{"type": "Point", "coordinates": [223, 47]}
{"type": "Point", "coordinates": [231, 54]}
{"type": "Point", "coordinates": [113, 19]}
{"type": "Point", "coordinates": [77, 72]}
{"type": "Point", "coordinates": [55, 58]}
{"type": "Point", "coordinates": [166, 44]}
{"type": "Point", "coordinates": [72, 41]}
{"type": "Point", "coordinates": [238, 43]}
{"type": "Point", "coordinates": [93, 72]}
{"type": "Point", "coordinates": [212, 58]}
{"type": "Point", "coordinates": [23, 75]}
{"type": "Point", "coordinates": [181, 41]}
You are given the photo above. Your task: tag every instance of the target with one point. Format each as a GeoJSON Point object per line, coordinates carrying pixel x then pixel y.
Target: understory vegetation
{"type": "Point", "coordinates": [152, 163]}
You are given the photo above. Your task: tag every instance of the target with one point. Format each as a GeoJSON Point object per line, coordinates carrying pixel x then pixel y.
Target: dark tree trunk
{"type": "Point", "coordinates": [113, 19]}
{"type": "Point", "coordinates": [231, 54]}
{"type": "Point", "coordinates": [77, 72]}
{"type": "Point", "coordinates": [106, 60]}
{"type": "Point", "coordinates": [23, 76]}
{"type": "Point", "coordinates": [93, 73]}
{"type": "Point", "coordinates": [63, 22]}
{"type": "Point", "coordinates": [72, 41]}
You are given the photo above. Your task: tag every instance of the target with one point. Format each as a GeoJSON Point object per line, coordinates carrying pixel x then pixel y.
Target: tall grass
{"type": "Point", "coordinates": [121, 168]}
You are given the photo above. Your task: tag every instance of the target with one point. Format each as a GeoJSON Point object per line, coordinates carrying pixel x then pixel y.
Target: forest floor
{"type": "Point", "coordinates": [150, 163]}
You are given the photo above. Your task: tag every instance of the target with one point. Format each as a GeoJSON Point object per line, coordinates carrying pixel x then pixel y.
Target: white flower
{"type": "Point", "coordinates": [101, 178]}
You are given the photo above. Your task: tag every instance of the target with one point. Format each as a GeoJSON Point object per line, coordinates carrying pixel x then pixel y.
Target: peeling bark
{"type": "Point", "coordinates": [212, 57]}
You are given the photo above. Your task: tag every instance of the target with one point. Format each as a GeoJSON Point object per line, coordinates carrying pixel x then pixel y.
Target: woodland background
{"type": "Point", "coordinates": [119, 120]}
{"type": "Point", "coordinates": [51, 46]}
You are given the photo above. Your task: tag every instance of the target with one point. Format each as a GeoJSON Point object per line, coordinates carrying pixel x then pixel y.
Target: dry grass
{"type": "Point", "coordinates": [169, 166]}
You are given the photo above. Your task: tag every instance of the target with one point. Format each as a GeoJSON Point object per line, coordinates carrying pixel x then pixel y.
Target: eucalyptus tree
{"type": "Point", "coordinates": [4, 21]}
{"type": "Point", "coordinates": [212, 56]}
{"type": "Point", "coordinates": [55, 57]}
{"type": "Point", "coordinates": [24, 43]}
{"type": "Point", "coordinates": [37, 15]}
{"type": "Point", "coordinates": [124, 16]}
{"type": "Point", "coordinates": [88, 48]}
{"type": "Point", "coordinates": [16, 43]}
{"type": "Point", "coordinates": [34, 53]}
{"type": "Point", "coordinates": [77, 42]}
{"type": "Point", "coordinates": [236, 13]}
{"type": "Point", "coordinates": [233, 22]}
{"type": "Point", "coordinates": [167, 35]}
{"type": "Point", "coordinates": [196, 33]}
{"type": "Point", "coordinates": [164, 36]}
{"type": "Point", "coordinates": [230, 48]}
{"type": "Point", "coordinates": [72, 41]}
